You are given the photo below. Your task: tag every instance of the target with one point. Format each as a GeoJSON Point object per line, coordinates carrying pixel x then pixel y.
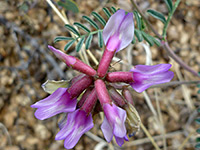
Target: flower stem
{"type": "Point", "coordinates": [149, 136]}
{"type": "Point", "coordinates": [178, 60]}
{"type": "Point", "coordinates": [169, 18]}
{"type": "Point", "coordinates": [145, 19]}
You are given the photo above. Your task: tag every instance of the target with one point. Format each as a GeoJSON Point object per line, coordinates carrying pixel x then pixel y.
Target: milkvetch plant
{"type": "Point", "coordinates": [121, 118]}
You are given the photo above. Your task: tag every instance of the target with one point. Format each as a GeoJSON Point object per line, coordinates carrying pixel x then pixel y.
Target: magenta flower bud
{"type": "Point", "coordinates": [58, 102]}
{"type": "Point", "coordinates": [80, 85]}
{"type": "Point", "coordinates": [84, 97]}
{"type": "Point", "coordinates": [76, 78]}
{"type": "Point", "coordinates": [145, 76]}
{"type": "Point", "coordinates": [126, 77]}
{"type": "Point", "coordinates": [127, 95]}
{"type": "Point", "coordinates": [105, 63]}
{"type": "Point", "coordinates": [119, 31]}
{"type": "Point", "coordinates": [90, 102]}
{"type": "Point", "coordinates": [77, 123]}
{"type": "Point", "coordinates": [117, 98]}
{"type": "Point", "coordinates": [73, 62]}
{"type": "Point", "coordinates": [117, 34]}
{"type": "Point", "coordinates": [102, 92]}
{"type": "Point", "coordinates": [114, 123]}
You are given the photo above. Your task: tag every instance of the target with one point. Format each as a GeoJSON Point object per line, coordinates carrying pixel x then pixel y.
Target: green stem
{"type": "Point", "coordinates": [93, 32]}
{"type": "Point", "coordinates": [146, 20]}
{"type": "Point", "coordinates": [169, 19]}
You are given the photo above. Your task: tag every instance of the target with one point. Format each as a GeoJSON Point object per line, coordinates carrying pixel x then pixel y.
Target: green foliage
{"type": "Point", "coordinates": [69, 5]}
{"type": "Point", "coordinates": [157, 15]}
{"type": "Point", "coordinates": [148, 38]}
{"type": "Point", "coordinates": [100, 37]}
{"type": "Point", "coordinates": [87, 37]}
{"type": "Point", "coordinates": [69, 44]}
{"type": "Point", "coordinates": [80, 43]}
{"type": "Point", "coordinates": [88, 41]}
{"type": "Point", "coordinates": [169, 5]}
{"type": "Point", "coordinates": [62, 38]}
{"type": "Point", "coordinates": [156, 41]}
{"type": "Point", "coordinates": [107, 12]}
{"type": "Point", "coordinates": [72, 29]}
{"type": "Point", "coordinates": [89, 34]}
{"type": "Point", "coordinates": [79, 25]}
{"type": "Point", "coordinates": [138, 20]}
{"type": "Point", "coordinates": [197, 146]}
{"type": "Point", "coordinates": [113, 9]}
{"type": "Point", "coordinates": [91, 22]}
{"type": "Point", "coordinates": [133, 41]}
{"type": "Point", "coordinates": [138, 34]}
{"type": "Point", "coordinates": [99, 18]}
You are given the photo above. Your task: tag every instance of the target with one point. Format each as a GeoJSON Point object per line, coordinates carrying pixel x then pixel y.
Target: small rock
{"type": "Point", "coordinates": [184, 37]}
{"type": "Point", "coordinates": [42, 132]}
{"type": "Point", "coordinates": [11, 148]}
{"type": "Point", "coordinates": [32, 141]}
{"type": "Point", "coordinates": [9, 118]}
{"type": "Point", "coordinates": [20, 138]}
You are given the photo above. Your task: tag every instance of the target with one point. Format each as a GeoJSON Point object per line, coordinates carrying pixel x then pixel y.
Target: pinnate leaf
{"type": "Point", "coordinates": [157, 15]}
{"type": "Point", "coordinates": [79, 44]}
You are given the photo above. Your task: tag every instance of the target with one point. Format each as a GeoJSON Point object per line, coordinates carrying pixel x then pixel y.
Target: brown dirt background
{"type": "Point", "coordinates": [26, 63]}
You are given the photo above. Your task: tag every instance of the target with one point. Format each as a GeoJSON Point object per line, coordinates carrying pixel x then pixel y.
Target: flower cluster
{"type": "Point", "coordinates": [98, 89]}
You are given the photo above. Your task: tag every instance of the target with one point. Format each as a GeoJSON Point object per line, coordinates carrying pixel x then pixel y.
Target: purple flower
{"type": "Point", "coordinates": [77, 123]}
{"type": "Point", "coordinates": [63, 121]}
{"type": "Point", "coordinates": [114, 124]}
{"type": "Point", "coordinates": [119, 31]}
{"type": "Point", "coordinates": [56, 103]}
{"type": "Point", "coordinates": [117, 34]}
{"type": "Point", "coordinates": [145, 76]}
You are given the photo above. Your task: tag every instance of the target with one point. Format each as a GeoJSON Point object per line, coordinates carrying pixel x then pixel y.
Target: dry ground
{"type": "Point", "coordinates": [26, 63]}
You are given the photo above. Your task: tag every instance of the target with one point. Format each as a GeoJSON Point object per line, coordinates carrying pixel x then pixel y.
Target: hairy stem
{"type": "Point", "coordinates": [178, 60]}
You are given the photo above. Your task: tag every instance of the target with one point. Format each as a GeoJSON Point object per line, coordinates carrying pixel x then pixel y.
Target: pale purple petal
{"type": "Point", "coordinates": [145, 69]}
{"type": "Point", "coordinates": [113, 25]}
{"type": "Point", "coordinates": [119, 126]}
{"type": "Point", "coordinates": [107, 130]}
{"type": "Point", "coordinates": [68, 127]}
{"type": "Point", "coordinates": [51, 99]}
{"type": "Point", "coordinates": [113, 42]}
{"type": "Point", "coordinates": [54, 104]}
{"type": "Point", "coordinates": [77, 124]}
{"type": "Point", "coordinates": [116, 118]}
{"type": "Point", "coordinates": [120, 141]}
{"type": "Point", "coordinates": [64, 104]}
{"type": "Point", "coordinates": [145, 76]}
{"type": "Point", "coordinates": [126, 31]}
{"type": "Point", "coordinates": [63, 121]}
